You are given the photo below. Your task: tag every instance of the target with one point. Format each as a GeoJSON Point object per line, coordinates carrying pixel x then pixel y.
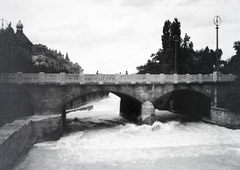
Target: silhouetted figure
{"type": "Point", "coordinates": [126, 72]}
{"type": "Point", "coordinates": [97, 72]}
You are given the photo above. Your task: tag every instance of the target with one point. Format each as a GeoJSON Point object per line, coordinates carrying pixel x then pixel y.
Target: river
{"type": "Point", "coordinates": [173, 145]}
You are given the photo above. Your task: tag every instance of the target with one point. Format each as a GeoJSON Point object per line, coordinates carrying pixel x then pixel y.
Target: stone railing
{"type": "Point", "coordinates": [62, 78]}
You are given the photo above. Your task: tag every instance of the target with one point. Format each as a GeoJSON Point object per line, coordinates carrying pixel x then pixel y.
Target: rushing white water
{"type": "Point", "coordinates": [166, 146]}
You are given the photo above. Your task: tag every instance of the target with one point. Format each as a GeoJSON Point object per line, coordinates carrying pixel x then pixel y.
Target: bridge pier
{"type": "Point", "coordinates": [148, 113]}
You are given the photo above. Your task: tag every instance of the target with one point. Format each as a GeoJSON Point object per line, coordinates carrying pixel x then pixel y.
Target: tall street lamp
{"type": "Point", "coordinates": [176, 40]}
{"type": "Point", "coordinates": [217, 22]}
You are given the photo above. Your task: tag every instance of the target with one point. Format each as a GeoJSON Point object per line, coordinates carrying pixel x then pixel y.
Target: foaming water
{"type": "Point", "coordinates": [170, 145]}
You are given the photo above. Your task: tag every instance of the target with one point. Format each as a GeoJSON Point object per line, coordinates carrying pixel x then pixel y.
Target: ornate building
{"type": "Point", "coordinates": [51, 58]}
{"type": "Point", "coordinates": [13, 47]}
{"type": "Point", "coordinates": [18, 54]}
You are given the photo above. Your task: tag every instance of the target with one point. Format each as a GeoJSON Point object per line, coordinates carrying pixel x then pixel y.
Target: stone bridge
{"type": "Point", "coordinates": [141, 94]}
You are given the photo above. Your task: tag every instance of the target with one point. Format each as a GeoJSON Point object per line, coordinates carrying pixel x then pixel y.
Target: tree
{"type": "Point", "coordinates": [185, 58]}
{"type": "Point", "coordinates": [166, 36]}
{"type": "Point", "coordinates": [233, 63]}
{"type": "Point", "coordinates": [203, 61]}
{"type": "Point", "coordinates": [164, 59]}
{"type": "Point", "coordinates": [236, 47]}
{"type": "Point", "coordinates": [188, 61]}
{"type": "Point", "coordinates": [151, 67]}
{"type": "Point", "coordinates": [165, 56]}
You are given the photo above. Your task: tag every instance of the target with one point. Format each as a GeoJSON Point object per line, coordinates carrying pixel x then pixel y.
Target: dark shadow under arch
{"type": "Point", "coordinates": [130, 108]}
{"type": "Point", "coordinates": [188, 102]}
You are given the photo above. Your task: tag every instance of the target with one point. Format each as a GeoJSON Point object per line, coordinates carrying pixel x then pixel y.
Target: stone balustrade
{"type": "Point", "coordinates": [63, 78]}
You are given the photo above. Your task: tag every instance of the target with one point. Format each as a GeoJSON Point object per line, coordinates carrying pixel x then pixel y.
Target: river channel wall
{"type": "Point", "coordinates": [224, 117]}
{"type": "Point", "coordinates": [18, 137]}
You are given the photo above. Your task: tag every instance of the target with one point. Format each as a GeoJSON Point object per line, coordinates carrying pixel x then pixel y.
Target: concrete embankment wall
{"type": "Point", "coordinates": [224, 117]}
{"type": "Point", "coordinates": [19, 136]}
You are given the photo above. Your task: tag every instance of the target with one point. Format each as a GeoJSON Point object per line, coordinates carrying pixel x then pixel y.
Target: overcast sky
{"type": "Point", "coordinates": [113, 36]}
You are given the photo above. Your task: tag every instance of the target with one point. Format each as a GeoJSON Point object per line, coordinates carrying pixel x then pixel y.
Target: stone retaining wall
{"type": "Point", "coordinates": [17, 136]}
{"type": "Point", "coordinates": [225, 118]}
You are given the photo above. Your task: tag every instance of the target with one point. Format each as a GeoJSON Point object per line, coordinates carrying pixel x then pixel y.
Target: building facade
{"type": "Point", "coordinates": [13, 47]}
{"type": "Point", "coordinates": [18, 54]}
{"type": "Point", "coordinates": [42, 55]}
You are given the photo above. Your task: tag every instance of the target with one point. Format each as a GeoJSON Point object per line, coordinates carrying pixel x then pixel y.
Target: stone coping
{"type": "Point", "coordinates": [81, 79]}
{"type": "Point", "coordinates": [8, 129]}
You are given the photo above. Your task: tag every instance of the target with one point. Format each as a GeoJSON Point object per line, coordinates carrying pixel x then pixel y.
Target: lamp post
{"type": "Point", "coordinates": [176, 40]}
{"type": "Point", "coordinates": [217, 22]}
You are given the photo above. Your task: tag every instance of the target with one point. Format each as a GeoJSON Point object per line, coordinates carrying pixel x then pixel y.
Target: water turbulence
{"type": "Point", "coordinates": [172, 144]}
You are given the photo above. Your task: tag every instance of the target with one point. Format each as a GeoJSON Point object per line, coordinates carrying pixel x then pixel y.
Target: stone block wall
{"type": "Point", "coordinates": [228, 96]}
{"type": "Point", "coordinates": [225, 118]}
{"type": "Point", "coordinates": [13, 138]}
{"type": "Point", "coordinates": [47, 127]}
{"type": "Point", "coordinates": [16, 137]}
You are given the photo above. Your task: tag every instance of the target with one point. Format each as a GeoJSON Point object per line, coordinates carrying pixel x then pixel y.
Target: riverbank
{"type": "Point", "coordinates": [18, 137]}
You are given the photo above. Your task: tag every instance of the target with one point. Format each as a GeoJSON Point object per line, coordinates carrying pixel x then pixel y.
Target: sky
{"type": "Point", "coordinates": [113, 36]}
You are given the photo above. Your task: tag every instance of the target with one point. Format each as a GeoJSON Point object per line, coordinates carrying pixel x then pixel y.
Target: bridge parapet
{"type": "Point", "coordinates": [63, 78]}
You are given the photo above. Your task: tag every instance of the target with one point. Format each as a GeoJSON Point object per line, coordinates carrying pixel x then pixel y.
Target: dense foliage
{"type": "Point", "coordinates": [188, 60]}
{"type": "Point", "coordinates": [233, 64]}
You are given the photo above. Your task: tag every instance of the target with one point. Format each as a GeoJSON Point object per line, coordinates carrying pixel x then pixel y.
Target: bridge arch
{"type": "Point", "coordinates": [191, 102]}
{"type": "Point", "coordinates": [130, 103]}
{"type": "Point", "coordinates": [133, 96]}
{"type": "Point", "coordinates": [118, 90]}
